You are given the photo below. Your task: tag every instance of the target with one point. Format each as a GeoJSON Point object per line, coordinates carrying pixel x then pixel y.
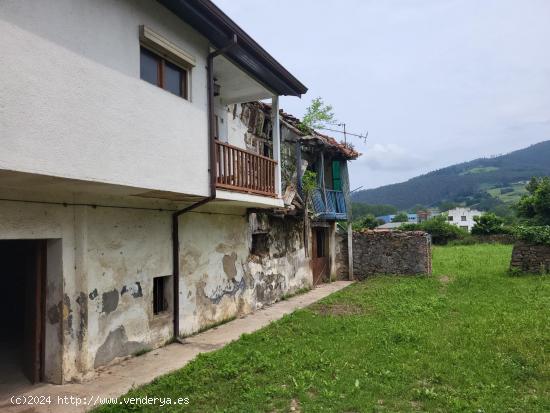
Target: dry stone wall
{"type": "Point", "coordinates": [530, 258]}
{"type": "Point", "coordinates": [342, 266]}
{"type": "Point", "coordinates": [391, 252]}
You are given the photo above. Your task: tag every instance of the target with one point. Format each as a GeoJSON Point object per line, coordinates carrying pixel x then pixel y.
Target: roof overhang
{"type": "Point", "coordinates": [205, 17]}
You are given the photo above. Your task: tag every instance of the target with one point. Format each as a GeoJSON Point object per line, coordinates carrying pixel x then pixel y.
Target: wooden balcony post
{"type": "Point", "coordinates": [275, 119]}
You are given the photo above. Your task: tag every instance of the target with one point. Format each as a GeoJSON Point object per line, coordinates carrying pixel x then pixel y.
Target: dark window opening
{"type": "Point", "coordinates": [162, 73]}
{"type": "Point", "coordinates": [450, 218]}
{"type": "Point", "coordinates": [160, 301]}
{"type": "Point", "coordinates": [260, 244]}
{"type": "Point", "coordinates": [463, 218]}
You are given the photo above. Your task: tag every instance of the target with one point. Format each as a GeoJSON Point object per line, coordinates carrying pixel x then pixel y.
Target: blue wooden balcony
{"type": "Point", "coordinates": [330, 206]}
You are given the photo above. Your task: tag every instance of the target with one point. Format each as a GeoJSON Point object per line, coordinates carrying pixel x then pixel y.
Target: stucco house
{"type": "Point", "coordinates": [462, 217]}
{"type": "Point", "coordinates": [145, 192]}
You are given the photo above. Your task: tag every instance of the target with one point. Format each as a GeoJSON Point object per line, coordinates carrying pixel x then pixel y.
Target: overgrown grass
{"type": "Point", "coordinates": [469, 339]}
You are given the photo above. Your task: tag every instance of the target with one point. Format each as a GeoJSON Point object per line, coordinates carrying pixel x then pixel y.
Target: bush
{"type": "Point", "coordinates": [534, 234]}
{"type": "Point", "coordinates": [401, 217]}
{"type": "Point", "coordinates": [489, 224]}
{"type": "Point", "coordinates": [535, 206]}
{"type": "Point", "coordinates": [467, 240]}
{"type": "Point", "coordinates": [368, 221]}
{"type": "Point", "coordinates": [441, 231]}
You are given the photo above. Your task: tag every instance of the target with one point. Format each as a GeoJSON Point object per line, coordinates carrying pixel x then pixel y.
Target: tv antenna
{"type": "Point", "coordinates": [343, 131]}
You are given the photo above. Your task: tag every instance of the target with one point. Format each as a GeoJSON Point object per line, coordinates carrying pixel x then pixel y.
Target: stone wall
{"type": "Point", "coordinates": [494, 239]}
{"type": "Point", "coordinates": [341, 256]}
{"type": "Point", "coordinates": [530, 258]}
{"type": "Point", "coordinates": [391, 252]}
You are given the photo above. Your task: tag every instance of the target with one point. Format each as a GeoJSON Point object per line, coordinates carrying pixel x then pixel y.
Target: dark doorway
{"type": "Point", "coordinates": [320, 260]}
{"type": "Point", "coordinates": [23, 276]}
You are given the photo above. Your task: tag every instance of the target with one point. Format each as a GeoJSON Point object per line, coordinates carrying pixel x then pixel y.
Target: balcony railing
{"type": "Point", "coordinates": [239, 170]}
{"type": "Point", "coordinates": [331, 205]}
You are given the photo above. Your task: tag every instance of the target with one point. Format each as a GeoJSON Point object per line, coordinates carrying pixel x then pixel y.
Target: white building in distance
{"type": "Point", "coordinates": [462, 217]}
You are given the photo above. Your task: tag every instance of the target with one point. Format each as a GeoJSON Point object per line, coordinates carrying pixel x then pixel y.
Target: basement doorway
{"type": "Point", "coordinates": [320, 261]}
{"type": "Point", "coordinates": [23, 269]}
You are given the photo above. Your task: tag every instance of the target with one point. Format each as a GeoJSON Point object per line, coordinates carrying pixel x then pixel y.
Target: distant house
{"type": "Point", "coordinates": [427, 214]}
{"type": "Point", "coordinates": [462, 217]}
{"type": "Point", "coordinates": [412, 218]}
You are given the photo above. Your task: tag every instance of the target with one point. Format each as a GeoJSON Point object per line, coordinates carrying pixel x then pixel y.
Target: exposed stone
{"type": "Point", "coordinates": [116, 345]}
{"type": "Point", "coordinates": [342, 263]}
{"type": "Point", "coordinates": [110, 301]}
{"type": "Point", "coordinates": [530, 258]}
{"type": "Point", "coordinates": [391, 252]}
{"type": "Point", "coordinates": [54, 313]}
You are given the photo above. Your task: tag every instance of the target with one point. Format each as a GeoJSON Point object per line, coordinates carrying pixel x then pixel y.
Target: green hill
{"type": "Point", "coordinates": [500, 177]}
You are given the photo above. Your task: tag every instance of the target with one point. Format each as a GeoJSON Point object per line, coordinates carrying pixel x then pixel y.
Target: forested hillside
{"type": "Point", "coordinates": [484, 177]}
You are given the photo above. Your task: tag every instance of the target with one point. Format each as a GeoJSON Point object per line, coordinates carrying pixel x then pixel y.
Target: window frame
{"type": "Point", "coordinates": [160, 297]}
{"type": "Point", "coordinates": [161, 72]}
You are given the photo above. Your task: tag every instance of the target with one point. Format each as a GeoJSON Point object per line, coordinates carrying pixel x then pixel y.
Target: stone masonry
{"type": "Point", "coordinates": [530, 258]}
{"type": "Point", "coordinates": [391, 252]}
{"type": "Point", "coordinates": [342, 267]}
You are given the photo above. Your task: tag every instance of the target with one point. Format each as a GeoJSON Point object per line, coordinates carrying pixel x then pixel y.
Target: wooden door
{"type": "Point", "coordinates": [320, 262]}
{"type": "Point", "coordinates": [35, 278]}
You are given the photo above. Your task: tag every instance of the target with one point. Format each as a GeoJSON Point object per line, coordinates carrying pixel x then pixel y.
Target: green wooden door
{"type": "Point", "coordinates": [336, 177]}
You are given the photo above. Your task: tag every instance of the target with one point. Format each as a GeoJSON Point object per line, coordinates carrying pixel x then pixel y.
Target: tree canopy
{"type": "Point", "coordinates": [535, 206]}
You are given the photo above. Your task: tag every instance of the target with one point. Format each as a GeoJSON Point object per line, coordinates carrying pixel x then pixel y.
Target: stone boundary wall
{"type": "Point", "coordinates": [495, 239]}
{"type": "Point", "coordinates": [530, 258]}
{"type": "Point", "coordinates": [391, 252]}
{"type": "Point", "coordinates": [342, 266]}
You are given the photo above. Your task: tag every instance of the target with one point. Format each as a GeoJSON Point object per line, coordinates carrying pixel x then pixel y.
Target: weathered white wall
{"type": "Point", "coordinates": [102, 262]}
{"type": "Point", "coordinates": [102, 308]}
{"type": "Point", "coordinates": [237, 131]}
{"type": "Point", "coordinates": [219, 277]}
{"type": "Point", "coordinates": [33, 221]}
{"type": "Point", "coordinates": [125, 250]}
{"type": "Point", "coordinates": [72, 103]}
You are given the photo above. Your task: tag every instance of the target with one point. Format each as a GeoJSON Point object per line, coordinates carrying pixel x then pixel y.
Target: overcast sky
{"type": "Point", "coordinates": [434, 82]}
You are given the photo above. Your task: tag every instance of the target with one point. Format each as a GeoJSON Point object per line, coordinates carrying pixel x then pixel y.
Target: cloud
{"type": "Point", "coordinates": [391, 157]}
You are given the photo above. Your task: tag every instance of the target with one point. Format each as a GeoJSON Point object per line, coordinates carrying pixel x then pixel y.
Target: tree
{"type": "Point", "coordinates": [401, 217]}
{"type": "Point", "coordinates": [318, 115]}
{"type": "Point", "coordinates": [368, 221]}
{"type": "Point", "coordinates": [535, 206]}
{"type": "Point", "coordinates": [360, 210]}
{"type": "Point", "coordinates": [447, 205]}
{"type": "Point", "coordinates": [488, 224]}
{"type": "Point", "coordinates": [438, 227]}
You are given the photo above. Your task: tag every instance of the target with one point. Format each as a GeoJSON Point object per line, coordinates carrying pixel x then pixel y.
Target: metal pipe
{"type": "Point", "coordinates": [211, 170]}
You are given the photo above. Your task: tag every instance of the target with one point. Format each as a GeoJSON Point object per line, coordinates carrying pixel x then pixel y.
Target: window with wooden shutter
{"type": "Point", "coordinates": [336, 176]}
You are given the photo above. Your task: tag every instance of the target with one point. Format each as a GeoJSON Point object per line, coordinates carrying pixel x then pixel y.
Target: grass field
{"type": "Point", "coordinates": [469, 339]}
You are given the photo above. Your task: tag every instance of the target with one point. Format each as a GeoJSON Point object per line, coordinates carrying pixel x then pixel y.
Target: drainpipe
{"type": "Point", "coordinates": [211, 170]}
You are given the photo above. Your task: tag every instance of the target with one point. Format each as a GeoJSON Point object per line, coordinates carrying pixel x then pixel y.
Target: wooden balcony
{"type": "Point", "coordinates": [330, 204]}
{"type": "Point", "coordinates": [239, 170]}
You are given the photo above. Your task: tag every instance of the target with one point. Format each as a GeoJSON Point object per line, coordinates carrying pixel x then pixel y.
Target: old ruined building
{"type": "Point", "coordinates": [322, 244]}
{"type": "Point", "coordinates": [141, 196]}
